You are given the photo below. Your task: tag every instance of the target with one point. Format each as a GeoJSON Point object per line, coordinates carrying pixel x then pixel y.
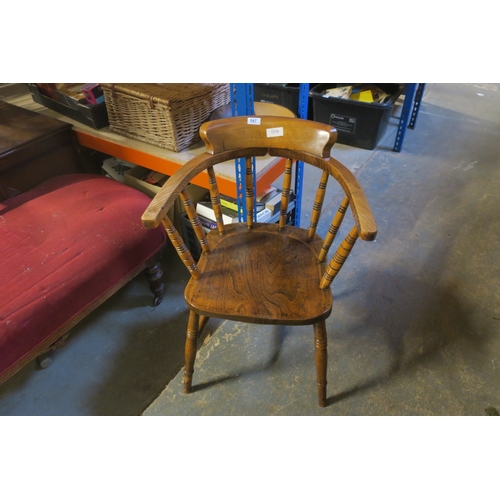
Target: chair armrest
{"type": "Point", "coordinates": [169, 192]}
{"type": "Point", "coordinates": [361, 211]}
{"type": "Point", "coordinates": [167, 195]}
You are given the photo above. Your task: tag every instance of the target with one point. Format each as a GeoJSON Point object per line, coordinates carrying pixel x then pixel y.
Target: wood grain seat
{"type": "Point", "coordinates": [274, 292]}
{"type": "Point", "coordinates": [258, 272]}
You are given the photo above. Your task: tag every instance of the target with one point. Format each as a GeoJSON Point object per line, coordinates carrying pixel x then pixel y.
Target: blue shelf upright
{"type": "Point", "coordinates": [411, 106]}
{"type": "Point", "coordinates": [242, 105]}
{"type": "Point", "coordinates": [299, 171]}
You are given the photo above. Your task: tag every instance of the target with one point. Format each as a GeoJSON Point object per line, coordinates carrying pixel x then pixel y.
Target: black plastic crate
{"type": "Point", "coordinates": [359, 124]}
{"type": "Point", "coordinates": [284, 94]}
{"type": "Point", "coordinates": [95, 116]}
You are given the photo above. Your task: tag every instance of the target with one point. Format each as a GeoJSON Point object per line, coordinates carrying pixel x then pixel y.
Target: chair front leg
{"type": "Point", "coordinates": [321, 354]}
{"type": "Point", "coordinates": [190, 349]}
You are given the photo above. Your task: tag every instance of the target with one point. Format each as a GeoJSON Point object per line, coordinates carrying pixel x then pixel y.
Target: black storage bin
{"type": "Point", "coordinates": [95, 116]}
{"type": "Point", "coordinates": [359, 124]}
{"type": "Point", "coordinates": [286, 95]}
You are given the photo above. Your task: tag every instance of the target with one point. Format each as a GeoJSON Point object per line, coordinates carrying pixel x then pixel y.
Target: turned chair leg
{"type": "Point", "coordinates": [321, 354]}
{"type": "Point", "coordinates": [192, 333]}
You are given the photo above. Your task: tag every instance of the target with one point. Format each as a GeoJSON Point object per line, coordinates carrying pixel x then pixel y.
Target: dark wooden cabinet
{"type": "Point", "coordinates": [34, 148]}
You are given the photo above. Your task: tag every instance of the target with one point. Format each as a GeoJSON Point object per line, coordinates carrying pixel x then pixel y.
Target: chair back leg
{"type": "Point", "coordinates": [191, 348]}
{"type": "Point", "coordinates": [321, 355]}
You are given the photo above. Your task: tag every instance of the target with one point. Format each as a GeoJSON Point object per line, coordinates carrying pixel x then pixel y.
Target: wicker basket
{"type": "Point", "coordinates": [168, 115]}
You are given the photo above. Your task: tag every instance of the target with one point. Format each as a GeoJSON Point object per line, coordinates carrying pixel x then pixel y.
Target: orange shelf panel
{"type": "Point", "coordinates": [169, 167]}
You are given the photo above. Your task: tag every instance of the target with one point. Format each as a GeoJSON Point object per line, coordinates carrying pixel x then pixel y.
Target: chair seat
{"type": "Point", "coordinates": [261, 276]}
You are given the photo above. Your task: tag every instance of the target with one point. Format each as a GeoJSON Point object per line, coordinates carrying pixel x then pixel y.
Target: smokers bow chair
{"type": "Point", "coordinates": [256, 272]}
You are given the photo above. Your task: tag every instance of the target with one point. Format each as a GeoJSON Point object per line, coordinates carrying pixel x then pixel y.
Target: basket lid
{"type": "Point", "coordinates": [164, 93]}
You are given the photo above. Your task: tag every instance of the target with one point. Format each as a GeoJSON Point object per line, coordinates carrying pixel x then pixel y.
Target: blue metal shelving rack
{"type": "Point", "coordinates": [242, 100]}
{"type": "Point", "coordinates": [242, 103]}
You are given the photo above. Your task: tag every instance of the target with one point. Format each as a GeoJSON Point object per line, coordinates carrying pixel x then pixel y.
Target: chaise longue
{"type": "Point", "coordinates": [66, 246]}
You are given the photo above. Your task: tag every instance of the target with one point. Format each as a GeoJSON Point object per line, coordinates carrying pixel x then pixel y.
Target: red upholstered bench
{"type": "Point", "coordinates": [65, 247]}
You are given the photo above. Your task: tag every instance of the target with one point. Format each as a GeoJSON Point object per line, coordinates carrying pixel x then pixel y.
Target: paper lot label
{"type": "Point", "coordinates": [274, 132]}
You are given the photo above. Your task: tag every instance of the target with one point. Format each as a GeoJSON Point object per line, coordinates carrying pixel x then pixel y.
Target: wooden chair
{"type": "Point", "coordinates": [257, 272]}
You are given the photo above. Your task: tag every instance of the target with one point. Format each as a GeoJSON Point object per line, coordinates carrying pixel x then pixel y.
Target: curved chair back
{"type": "Point", "coordinates": [290, 138]}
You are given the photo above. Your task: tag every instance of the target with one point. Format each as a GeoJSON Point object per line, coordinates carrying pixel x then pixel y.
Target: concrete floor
{"type": "Point", "coordinates": [416, 318]}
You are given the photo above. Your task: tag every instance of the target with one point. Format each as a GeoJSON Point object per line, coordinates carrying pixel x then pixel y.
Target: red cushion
{"type": "Point", "coordinates": [62, 245]}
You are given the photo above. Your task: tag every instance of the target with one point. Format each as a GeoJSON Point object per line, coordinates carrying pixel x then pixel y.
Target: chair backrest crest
{"type": "Point", "coordinates": [268, 132]}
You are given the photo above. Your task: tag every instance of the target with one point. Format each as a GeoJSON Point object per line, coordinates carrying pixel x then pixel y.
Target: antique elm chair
{"type": "Point", "coordinates": [259, 272]}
